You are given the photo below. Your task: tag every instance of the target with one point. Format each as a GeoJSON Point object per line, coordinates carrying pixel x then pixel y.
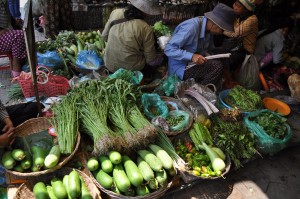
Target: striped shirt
{"type": "Point", "coordinates": [248, 30]}
{"type": "Point", "coordinates": [4, 15]}
{"type": "Point", "coordinates": [3, 112]}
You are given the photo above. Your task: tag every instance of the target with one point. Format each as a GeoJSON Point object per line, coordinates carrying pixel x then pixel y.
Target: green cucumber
{"type": "Point", "coordinates": [142, 190]}
{"type": "Point", "coordinates": [85, 193]}
{"type": "Point", "coordinates": [74, 184]}
{"type": "Point", "coordinates": [104, 179]}
{"type": "Point", "coordinates": [161, 177]}
{"type": "Point", "coordinates": [121, 179]}
{"type": "Point", "coordinates": [18, 168]}
{"type": "Point", "coordinates": [92, 164]}
{"type": "Point", "coordinates": [164, 157]}
{"type": "Point", "coordinates": [106, 164]}
{"type": "Point", "coordinates": [153, 161]}
{"type": "Point", "coordinates": [115, 189]}
{"type": "Point", "coordinates": [27, 161]}
{"type": "Point", "coordinates": [52, 159]}
{"type": "Point", "coordinates": [40, 191]}
{"type": "Point", "coordinates": [65, 182]}
{"type": "Point", "coordinates": [59, 188]}
{"type": "Point", "coordinates": [18, 154]}
{"type": "Point", "coordinates": [172, 171]}
{"type": "Point", "coordinates": [153, 184]}
{"type": "Point", "coordinates": [132, 171]}
{"type": "Point", "coordinates": [145, 169]}
{"type": "Point", "coordinates": [38, 154]}
{"type": "Point", "coordinates": [51, 192]}
{"type": "Point", "coordinates": [8, 161]}
{"type": "Point", "coordinates": [115, 157]}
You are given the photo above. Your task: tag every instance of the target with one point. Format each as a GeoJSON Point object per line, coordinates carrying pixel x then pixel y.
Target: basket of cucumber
{"type": "Point", "coordinates": [140, 175]}
{"type": "Point", "coordinates": [34, 151]}
{"type": "Point", "coordinates": [61, 184]}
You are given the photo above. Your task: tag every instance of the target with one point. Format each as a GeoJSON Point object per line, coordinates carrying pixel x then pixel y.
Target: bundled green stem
{"type": "Point", "coordinates": [65, 123]}
{"type": "Point", "coordinates": [164, 142]}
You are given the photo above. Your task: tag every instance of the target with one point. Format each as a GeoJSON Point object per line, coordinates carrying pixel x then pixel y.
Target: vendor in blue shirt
{"type": "Point", "coordinates": [190, 42]}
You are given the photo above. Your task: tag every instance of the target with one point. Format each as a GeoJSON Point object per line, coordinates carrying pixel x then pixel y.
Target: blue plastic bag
{"type": "Point", "coordinates": [49, 58]}
{"type": "Point", "coordinates": [88, 59]}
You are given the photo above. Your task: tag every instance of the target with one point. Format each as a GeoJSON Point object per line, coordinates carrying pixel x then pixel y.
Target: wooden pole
{"type": "Point", "coordinates": [28, 29]}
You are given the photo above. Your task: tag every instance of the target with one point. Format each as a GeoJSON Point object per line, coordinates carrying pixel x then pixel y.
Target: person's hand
{"type": "Point", "coordinates": [198, 59]}
{"type": "Point", "coordinates": [8, 133]}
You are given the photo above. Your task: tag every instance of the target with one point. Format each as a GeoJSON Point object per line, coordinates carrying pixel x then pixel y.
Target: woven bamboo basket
{"type": "Point", "coordinates": [187, 177]}
{"type": "Point", "coordinates": [25, 190]}
{"type": "Point", "coordinates": [154, 195]}
{"type": "Point", "coordinates": [36, 125]}
{"type": "Point", "coordinates": [182, 107]}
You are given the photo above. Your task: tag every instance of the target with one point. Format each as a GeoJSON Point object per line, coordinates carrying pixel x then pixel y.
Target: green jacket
{"type": "Point", "coordinates": [130, 45]}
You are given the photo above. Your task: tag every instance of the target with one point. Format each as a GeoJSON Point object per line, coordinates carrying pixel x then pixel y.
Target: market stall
{"type": "Point", "coordinates": [111, 136]}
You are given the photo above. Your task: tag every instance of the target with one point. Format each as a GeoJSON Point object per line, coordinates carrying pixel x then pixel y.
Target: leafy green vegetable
{"type": "Point", "coordinates": [234, 138]}
{"type": "Point", "coordinates": [244, 99]}
{"type": "Point", "coordinates": [271, 124]}
{"type": "Point", "coordinates": [161, 30]}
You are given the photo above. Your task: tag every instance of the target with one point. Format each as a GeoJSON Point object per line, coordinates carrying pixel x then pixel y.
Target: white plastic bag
{"type": "Point", "coordinates": [249, 73]}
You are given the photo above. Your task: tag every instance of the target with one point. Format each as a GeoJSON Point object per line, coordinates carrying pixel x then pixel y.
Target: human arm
{"type": "Point", "coordinates": [244, 28]}
{"type": "Point", "coordinates": [7, 131]}
{"type": "Point", "coordinates": [177, 48]}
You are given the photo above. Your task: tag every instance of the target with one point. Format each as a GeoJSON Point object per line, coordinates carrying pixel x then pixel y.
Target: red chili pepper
{"type": "Point", "coordinates": [189, 146]}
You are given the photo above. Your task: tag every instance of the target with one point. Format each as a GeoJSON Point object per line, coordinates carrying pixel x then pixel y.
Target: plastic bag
{"type": "Point", "coordinates": [207, 91]}
{"type": "Point", "coordinates": [49, 58]}
{"type": "Point", "coordinates": [167, 87]}
{"type": "Point", "coordinates": [183, 123]}
{"type": "Point", "coordinates": [153, 106]}
{"type": "Point", "coordinates": [134, 77]}
{"type": "Point", "coordinates": [88, 59]}
{"type": "Point", "coordinates": [265, 143]}
{"type": "Point", "coordinates": [249, 73]}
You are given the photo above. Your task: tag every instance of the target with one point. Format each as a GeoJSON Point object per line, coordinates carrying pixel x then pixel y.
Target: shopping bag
{"type": "Point", "coordinates": [249, 73]}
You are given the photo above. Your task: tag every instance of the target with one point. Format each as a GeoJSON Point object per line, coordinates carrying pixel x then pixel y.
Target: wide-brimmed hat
{"type": "Point", "coordinates": [248, 4]}
{"type": "Point", "coordinates": [222, 15]}
{"type": "Point", "coordinates": [150, 7]}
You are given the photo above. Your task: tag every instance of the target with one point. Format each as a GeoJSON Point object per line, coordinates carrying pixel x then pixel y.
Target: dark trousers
{"type": "Point", "coordinates": [19, 113]}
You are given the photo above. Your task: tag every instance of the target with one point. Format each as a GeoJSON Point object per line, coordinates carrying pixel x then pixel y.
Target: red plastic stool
{"type": "Point", "coordinates": [9, 55]}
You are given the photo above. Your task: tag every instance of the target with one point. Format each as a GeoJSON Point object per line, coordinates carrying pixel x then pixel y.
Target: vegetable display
{"type": "Point", "coordinates": [149, 170]}
{"type": "Point", "coordinates": [244, 99]}
{"type": "Point", "coordinates": [71, 185]}
{"type": "Point", "coordinates": [107, 112]}
{"type": "Point", "coordinates": [271, 124]}
{"type": "Point", "coordinates": [234, 138]}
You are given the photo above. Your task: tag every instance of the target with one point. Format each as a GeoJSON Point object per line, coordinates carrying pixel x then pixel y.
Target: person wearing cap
{"type": "Point", "coordinates": [245, 29]}
{"type": "Point", "coordinates": [130, 39]}
{"type": "Point", "coordinates": [190, 42]}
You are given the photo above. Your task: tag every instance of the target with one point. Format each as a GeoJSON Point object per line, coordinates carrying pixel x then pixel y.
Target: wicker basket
{"type": "Point", "coordinates": [188, 177]}
{"type": "Point", "coordinates": [37, 125]}
{"type": "Point", "coordinates": [182, 107]}
{"type": "Point", "coordinates": [25, 190]}
{"type": "Point", "coordinates": [154, 195]}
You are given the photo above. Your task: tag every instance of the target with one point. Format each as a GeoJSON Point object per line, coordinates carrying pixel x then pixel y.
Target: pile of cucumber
{"type": "Point", "coordinates": [31, 161]}
{"type": "Point", "coordinates": [69, 187]}
{"type": "Point", "coordinates": [139, 176]}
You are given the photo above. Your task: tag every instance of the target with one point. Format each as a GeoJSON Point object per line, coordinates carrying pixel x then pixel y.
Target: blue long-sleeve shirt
{"type": "Point", "coordinates": [189, 37]}
{"type": "Point", "coordinates": [14, 8]}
